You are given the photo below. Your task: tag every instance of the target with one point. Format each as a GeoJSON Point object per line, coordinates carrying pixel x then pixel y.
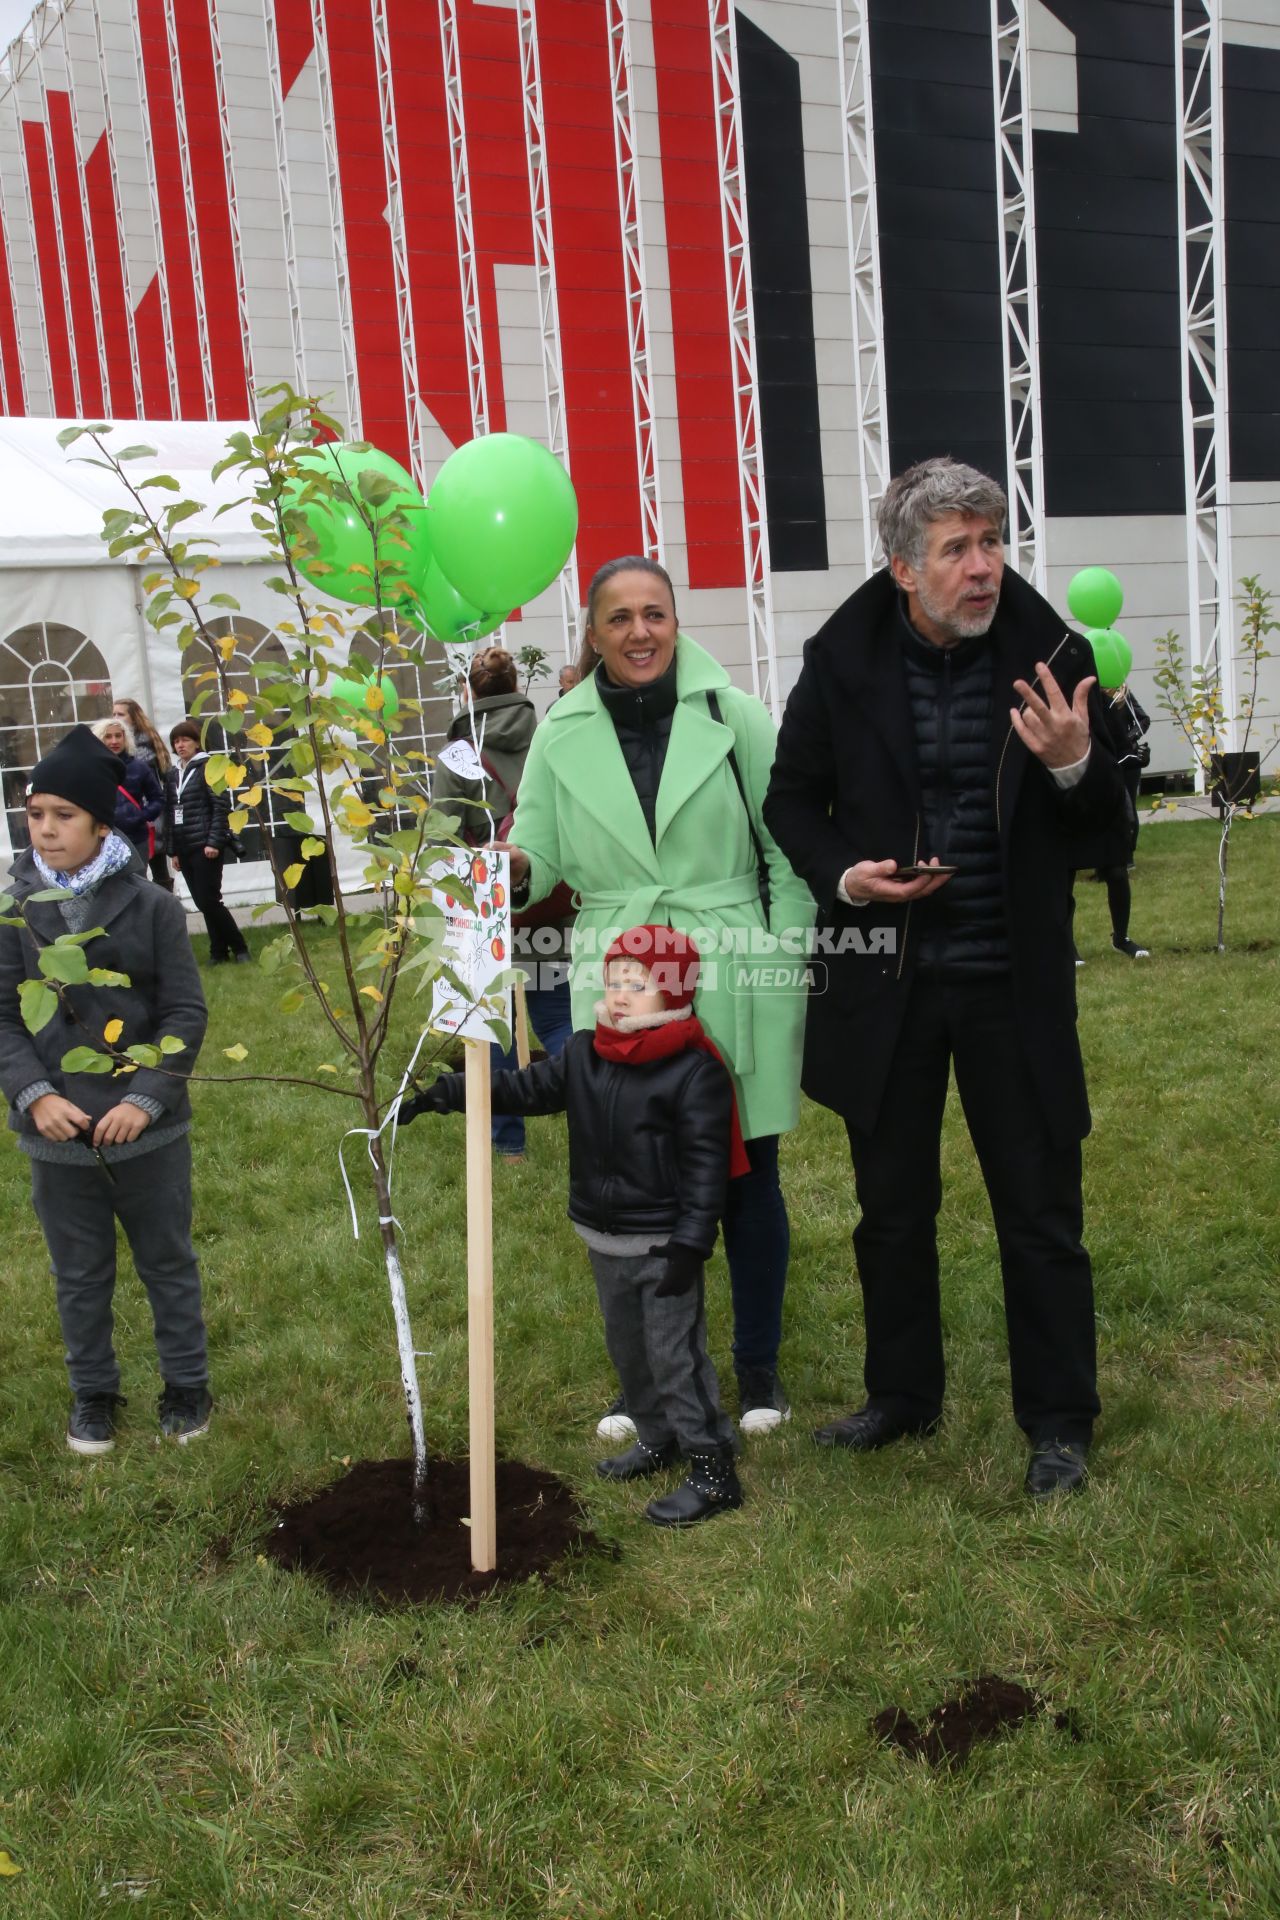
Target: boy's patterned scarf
{"type": "Point", "coordinates": [114, 854]}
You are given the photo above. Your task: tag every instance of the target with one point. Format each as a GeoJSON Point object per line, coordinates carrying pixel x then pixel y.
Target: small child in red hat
{"type": "Point", "coordinates": [653, 1141]}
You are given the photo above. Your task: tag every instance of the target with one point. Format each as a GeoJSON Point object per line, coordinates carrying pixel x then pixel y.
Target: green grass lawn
{"type": "Point", "coordinates": [682, 1729]}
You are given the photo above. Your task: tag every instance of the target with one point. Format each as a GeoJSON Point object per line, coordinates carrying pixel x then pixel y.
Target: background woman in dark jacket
{"type": "Point", "coordinates": [199, 835]}
{"type": "Point", "coordinates": [140, 798]}
{"type": "Point", "coordinates": [149, 747]}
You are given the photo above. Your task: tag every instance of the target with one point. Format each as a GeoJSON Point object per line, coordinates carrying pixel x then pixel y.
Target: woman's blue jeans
{"type": "Point", "coordinates": [551, 1018]}
{"type": "Point", "coordinates": [757, 1244]}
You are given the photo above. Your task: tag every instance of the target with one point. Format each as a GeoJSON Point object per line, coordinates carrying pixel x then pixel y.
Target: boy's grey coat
{"type": "Point", "coordinates": [144, 936]}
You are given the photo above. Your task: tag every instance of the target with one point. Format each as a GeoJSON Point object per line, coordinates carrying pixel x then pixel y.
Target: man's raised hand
{"type": "Point", "coordinates": [1056, 733]}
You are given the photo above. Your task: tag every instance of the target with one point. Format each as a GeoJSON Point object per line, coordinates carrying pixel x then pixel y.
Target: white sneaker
{"type": "Point", "coordinates": [762, 1400]}
{"type": "Point", "coordinates": [616, 1424]}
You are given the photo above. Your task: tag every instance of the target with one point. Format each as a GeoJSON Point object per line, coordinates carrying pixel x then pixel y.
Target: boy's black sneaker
{"type": "Point", "coordinates": [762, 1400]}
{"type": "Point", "coordinates": [184, 1412]}
{"type": "Point", "coordinates": [1130, 948]}
{"type": "Point", "coordinates": [91, 1424]}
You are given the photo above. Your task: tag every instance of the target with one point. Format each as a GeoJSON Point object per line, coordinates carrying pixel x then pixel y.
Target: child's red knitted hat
{"type": "Point", "coordinates": [669, 957]}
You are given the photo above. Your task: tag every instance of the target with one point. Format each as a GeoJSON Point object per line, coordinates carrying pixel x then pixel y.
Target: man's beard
{"type": "Point", "coordinates": [958, 623]}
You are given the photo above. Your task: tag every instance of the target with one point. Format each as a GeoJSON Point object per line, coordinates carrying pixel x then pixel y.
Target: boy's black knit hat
{"type": "Point", "coordinates": [82, 770]}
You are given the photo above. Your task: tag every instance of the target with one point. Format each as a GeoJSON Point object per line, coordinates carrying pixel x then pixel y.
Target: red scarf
{"type": "Point", "coordinates": [659, 1043]}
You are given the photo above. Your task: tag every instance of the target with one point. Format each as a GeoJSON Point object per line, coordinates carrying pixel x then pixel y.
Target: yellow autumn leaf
{"type": "Point", "coordinates": [237, 1052]}
{"type": "Point", "coordinates": [237, 698]}
{"type": "Point", "coordinates": [374, 698]}
{"type": "Point", "coordinates": [372, 993]}
{"type": "Point", "coordinates": [112, 1031]}
{"type": "Point", "coordinates": [358, 815]}
{"type": "Point", "coordinates": [293, 874]}
{"type": "Point", "coordinates": [186, 589]}
{"type": "Point", "coordinates": [260, 734]}
{"type": "Point", "coordinates": [324, 1067]}
{"type": "Point", "coordinates": [235, 774]}
{"type": "Point", "coordinates": [252, 797]}
{"type": "Point", "coordinates": [227, 645]}
{"type": "Point", "coordinates": [239, 820]}
{"type": "Point", "coordinates": [9, 1868]}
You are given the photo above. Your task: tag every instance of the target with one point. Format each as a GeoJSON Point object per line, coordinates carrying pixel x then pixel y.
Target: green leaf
{"type": "Point", "coordinates": [312, 848]}
{"type": "Point", "coordinates": [236, 1053]}
{"type": "Point", "coordinates": [38, 1003]}
{"type": "Point", "coordinates": [105, 977]}
{"type": "Point", "coordinates": [86, 1060]}
{"type": "Point", "coordinates": [375, 488]}
{"type": "Point", "coordinates": [300, 822]}
{"type": "Point", "coordinates": [165, 480]}
{"type": "Point", "coordinates": [328, 914]}
{"type": "Point", "coordinates": [170, 1043]}
{"type": "Point", "coordinates": [293, 874]}
{"type": "Point", "coordinates": [145, 1056]}
{"type": "Point", "coordinates": [69, 436]}
{"type": "Point", "coordinates": [224, 600]}
{"type": "Point", "coordinates": [134, 453]}
{"type": "Point", "coordinates": [67, 964]}
{"type": "Point", "coordinates": [291, 1001]}
{"type": "Point", "coordinates": [183, 511]}
{"type": "Point", "coordinates": [51, 893]}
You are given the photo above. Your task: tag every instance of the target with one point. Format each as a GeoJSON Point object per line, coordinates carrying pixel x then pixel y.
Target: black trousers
{"type": "Point", "coordinates": [1033, 1184]}
{"type": "Point", "coordinates": [204, 877]}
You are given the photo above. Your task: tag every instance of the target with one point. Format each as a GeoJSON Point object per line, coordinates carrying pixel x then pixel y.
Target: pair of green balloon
{"type": "Point", "coordinates": [500, 524]}
{"type": "Point", "coordinates": [1095, 597]}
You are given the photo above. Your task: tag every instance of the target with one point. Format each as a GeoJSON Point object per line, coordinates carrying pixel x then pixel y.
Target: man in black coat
{"type": "Point", "coordinates": [944, 716]}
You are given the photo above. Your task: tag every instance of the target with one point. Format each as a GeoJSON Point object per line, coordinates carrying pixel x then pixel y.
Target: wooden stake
{"type": "Point", "coordinates": [521, 1011]}
{"type": "Point", "coordinates": [484, 1544]}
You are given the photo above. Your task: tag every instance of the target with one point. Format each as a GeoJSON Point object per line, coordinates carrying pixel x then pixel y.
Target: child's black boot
{"type": "Point", "coordinates": [712, 1487]}
{"type": "Point", "coordinates": [639, 1462]}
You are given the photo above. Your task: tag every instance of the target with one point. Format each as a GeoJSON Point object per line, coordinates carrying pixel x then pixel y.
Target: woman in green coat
{"type": "Point", "coordinates": [630, 795]}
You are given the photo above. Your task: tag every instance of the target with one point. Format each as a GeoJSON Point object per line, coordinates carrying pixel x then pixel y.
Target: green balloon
{"type": "Point", "coordinates": [354, 695]}
{"type": "Point", "coordinates": [1112, 656]}
{"type": "Point", "coordinates": [1095, 597]}
{"type": "Point", "coordinates": [333, 545]}
{"type": "Point", "coordinates": [502, 517]}
{"type": "Point", "coordinates": [442, 612]}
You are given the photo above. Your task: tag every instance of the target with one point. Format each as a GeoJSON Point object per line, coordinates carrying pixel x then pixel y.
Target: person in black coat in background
{"type": "Point", "coordinates": [944, 716]}
{"type": "Point", "coordinates": [199, 834]}
{"type": "Point", "coordinates": [140, 796]}
{"type": "Point", "coordinates": [653, 1140]}
{"type": "Point", "coordinates": [148, 746]}
{"type": "Point", "coordinates": [1126, 724]}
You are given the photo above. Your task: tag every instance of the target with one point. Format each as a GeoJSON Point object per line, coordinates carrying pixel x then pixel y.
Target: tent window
{"type": "Point", "coordinates": [256, 646]}
{"type": "Point", "coordinates": [422, 732]}
{"type": "Point", "coordinates": [50, 677]}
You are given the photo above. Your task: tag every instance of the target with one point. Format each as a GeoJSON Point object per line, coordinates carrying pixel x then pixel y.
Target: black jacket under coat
{"type": "Point", "coordinates": [205, 814]}
{"type": "Point", "coordinates": [648, 1144]}
{"type": "Point", "coordinates": [845, 788]}
{"type": "Point", "coordinates": [134, 815]}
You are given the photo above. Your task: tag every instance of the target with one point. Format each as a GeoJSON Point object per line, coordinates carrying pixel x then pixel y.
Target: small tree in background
{"type": "Point", "coordinates": [318, 737]}
{"type": "Point", "coordinates": [1193, 697]}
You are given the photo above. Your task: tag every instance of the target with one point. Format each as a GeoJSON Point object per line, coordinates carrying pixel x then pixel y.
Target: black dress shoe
{"type": "Point", "coordinates": [638, 1462]}
{"type": "Point", "coordinates": [1057, 1466]}
{"type": "Point", "coordinates": [871, 1427]}
{"type": "Point", "coordinates": [712, 1487]}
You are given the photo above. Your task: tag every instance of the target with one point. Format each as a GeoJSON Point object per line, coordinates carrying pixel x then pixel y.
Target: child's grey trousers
{"type": "Point", "coordinates": [659, 1346]}
{"type": "Point", "coordinates": [150, 1195]}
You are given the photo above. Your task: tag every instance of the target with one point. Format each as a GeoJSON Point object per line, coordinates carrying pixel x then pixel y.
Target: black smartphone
{"type": "Point", "coordinates": [923, 873]}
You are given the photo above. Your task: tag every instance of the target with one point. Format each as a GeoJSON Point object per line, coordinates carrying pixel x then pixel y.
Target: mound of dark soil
{"type": "Point", "coordinates": [982, 1710]}
{"type": "Point", "coordinates": [359, 1537]}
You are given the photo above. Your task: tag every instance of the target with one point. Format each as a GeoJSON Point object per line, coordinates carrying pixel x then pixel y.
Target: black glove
{"type": "Point", "coordinates": [684, 1264]}
{"type": "Point", "coordinates": [434, 1100]}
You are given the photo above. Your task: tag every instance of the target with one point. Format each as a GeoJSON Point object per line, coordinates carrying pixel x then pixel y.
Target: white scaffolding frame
{"type": "Point", "coordinates": [42, 28]}
{"type": "Point", "coordinates": [7, 400]}
{"type": "Point", "coordinates": [544, 260]}
{"type": "Point", "coordinates": [742, 349]}
{"type": "Point", "coordinates": [415, 412]}
{"type": "Point", "coordinates": [333, 179]}
{"type": "Point", "coordinates": [86, 221]}
{"type": "Point", "coordinates": [1019, 287]}
{"type": "Point", "coordinates": [16, 71]}
{"type": "Point", "coordinates": [460, 170]}
{"type": "Point", "coordinates": [117, 207]}
{"type": "Point", "coordinates": [634, 282]}
{"type": "Point", "coordinates": [1202, 285]}
{"type": "Point", "coordinates": [233, 208]}
{"type": "Point", "coordinates": [157, 227]}
{"type": "Point", "coordinates": [189, 210]}
{"type": "Point", "coordinates": [870, 398]}
{"type": "Point", "coordinates": [280, 133]}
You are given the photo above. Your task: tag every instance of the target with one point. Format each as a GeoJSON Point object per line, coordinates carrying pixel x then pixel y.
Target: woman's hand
{"type": "Point", "coordinates": [122, 1123]}
{"type": "Point", "coordinates": [211, 853]}
{"type": "Point", "coordinates": [175, 863]}
{"type": "Point", "coordinates": [519, 861]}
{"type": "Point", "coordinates": [56, 1118]}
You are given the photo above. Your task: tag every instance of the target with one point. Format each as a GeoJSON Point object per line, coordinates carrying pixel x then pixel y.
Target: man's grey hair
{"type": "Point", "coordinates": [929, 491]}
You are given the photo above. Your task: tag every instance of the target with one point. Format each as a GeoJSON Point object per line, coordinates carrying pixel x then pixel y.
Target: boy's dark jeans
{"type": "Point", "coordinates": [77, 1208]}
{"type": "Point", "coordinates": [757, 1245]}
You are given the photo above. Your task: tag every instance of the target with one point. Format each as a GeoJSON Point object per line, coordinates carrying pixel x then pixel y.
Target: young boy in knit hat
{"type": "Point", "coordinates": [105, 1147]}
{"type": "Point", "coordinates": [653, 1141]}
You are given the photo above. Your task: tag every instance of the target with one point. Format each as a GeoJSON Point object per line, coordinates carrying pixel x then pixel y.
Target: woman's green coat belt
{"type": "Point", "coordinates": [579, 819]}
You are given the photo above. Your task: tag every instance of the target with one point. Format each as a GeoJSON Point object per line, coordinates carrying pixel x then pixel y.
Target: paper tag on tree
{"type": "Point", "coordinates": [477, 946]}
{"type": "Point", "coordinates": [462, 759]}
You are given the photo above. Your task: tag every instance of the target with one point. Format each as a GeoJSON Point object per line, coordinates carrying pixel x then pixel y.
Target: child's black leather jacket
{"type": "Point", "coordinates": [648, 1144]}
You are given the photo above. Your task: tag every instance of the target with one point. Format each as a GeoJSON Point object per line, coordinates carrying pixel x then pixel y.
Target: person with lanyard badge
{"type": "Point", "coordinates": [199, 835]}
